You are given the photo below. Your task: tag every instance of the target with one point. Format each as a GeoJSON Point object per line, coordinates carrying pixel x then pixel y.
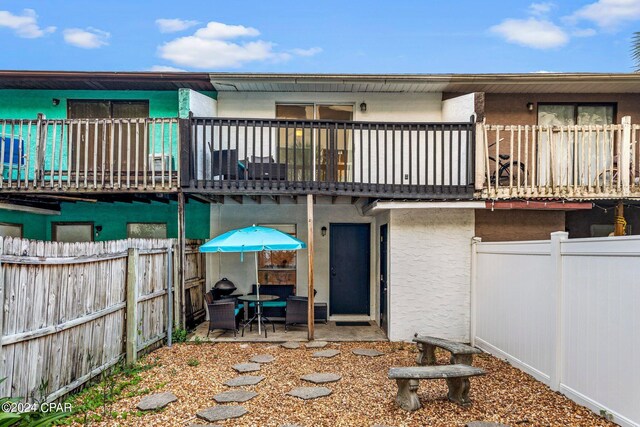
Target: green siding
{"type": "Point", "coordinates": [26, 104]}
{"type": "Point", "coordinates": [113, 217]}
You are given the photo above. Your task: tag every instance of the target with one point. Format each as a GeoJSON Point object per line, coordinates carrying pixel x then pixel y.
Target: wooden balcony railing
{"type": "Point", "coordinates": [580, 162]}
{"type": "Point", "coordinates": [267, 156]}
{"type": "Point", "coordinates": [89, 155]}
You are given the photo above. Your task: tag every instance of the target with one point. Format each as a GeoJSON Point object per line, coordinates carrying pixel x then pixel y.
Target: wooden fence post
{"type": "Point", "coordinates": [132, 305]}
{"type": "Point", "coordinates": [555, 378]}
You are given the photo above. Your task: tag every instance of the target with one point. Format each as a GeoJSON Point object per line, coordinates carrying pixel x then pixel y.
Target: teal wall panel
{"type": "Point", "coordinates": [113, 217]}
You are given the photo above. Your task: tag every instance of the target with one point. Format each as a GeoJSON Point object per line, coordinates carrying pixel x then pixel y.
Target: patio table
{"type": "Point", "coordinates": [257, 316]}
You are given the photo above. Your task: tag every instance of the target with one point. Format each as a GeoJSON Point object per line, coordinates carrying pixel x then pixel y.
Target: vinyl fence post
{"type": "Point", "coordinates": [556, 267]}
{"type": "Point", "coordinates": [473, 290]}
{"type": "Point", "coordinates": [132, 305]}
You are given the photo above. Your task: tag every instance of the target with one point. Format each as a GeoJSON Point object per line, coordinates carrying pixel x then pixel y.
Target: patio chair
{"type": "Point", "coordinates": [224, 314]}
{"type": "Point", "coordinates": [296, 311]}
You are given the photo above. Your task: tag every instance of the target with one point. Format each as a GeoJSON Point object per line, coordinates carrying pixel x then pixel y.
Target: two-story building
{"type": "Point", "coordinates": [404, 170]}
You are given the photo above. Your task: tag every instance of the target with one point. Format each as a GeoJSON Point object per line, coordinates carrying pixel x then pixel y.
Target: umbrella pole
{"type": "Point", "coordinates": [258, 294]}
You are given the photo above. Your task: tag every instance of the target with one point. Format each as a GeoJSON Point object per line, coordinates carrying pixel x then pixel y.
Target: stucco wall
{"type": "Point", "coordinates": [459, 108]}
{"type": "Point", "coordinates": [513, 224]}
{"type": "Point", "coordinates": [229, 216]}
{"type": "Point", "coordinates": [430, 253]}
{"type": "Point", "coordinates": [512, 108]}
{"type": "Point", "coordinates": [399, 107]}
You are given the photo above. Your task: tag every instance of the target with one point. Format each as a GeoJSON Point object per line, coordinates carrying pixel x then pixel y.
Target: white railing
{"type": "Point", "coordinates": [523, 161]}
{"type": "Point", "coordinates": [89, 154]}
{"type": "Point", "coordinates": [564, 311]}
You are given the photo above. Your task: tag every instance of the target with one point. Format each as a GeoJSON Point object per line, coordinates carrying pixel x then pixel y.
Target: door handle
{"type": "Point", "coordinates": [333, 271]}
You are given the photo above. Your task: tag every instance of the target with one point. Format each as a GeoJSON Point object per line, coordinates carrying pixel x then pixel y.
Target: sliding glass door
{"type": "Point", "coordinates": [322, 152]}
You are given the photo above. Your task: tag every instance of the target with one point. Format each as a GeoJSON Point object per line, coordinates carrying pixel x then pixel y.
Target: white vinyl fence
{"type": "Point", "coordinates": [566, 312]}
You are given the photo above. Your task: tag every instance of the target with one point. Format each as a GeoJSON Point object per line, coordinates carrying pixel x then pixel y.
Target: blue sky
{"type": "Point", "coordinates": [324, 36]}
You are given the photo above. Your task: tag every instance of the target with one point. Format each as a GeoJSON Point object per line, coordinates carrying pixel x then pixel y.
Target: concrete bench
{"type": "Point", "coordinates": [457, 377]}
{"type": "Point", "coordinates": [460, 353]}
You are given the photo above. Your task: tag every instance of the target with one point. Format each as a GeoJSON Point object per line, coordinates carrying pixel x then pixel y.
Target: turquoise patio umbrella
{"type": "Point", "coordinates": [253, 239]}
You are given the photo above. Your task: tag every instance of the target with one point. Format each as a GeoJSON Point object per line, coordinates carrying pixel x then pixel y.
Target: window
{"type": "Point", "coordinates": [86, 144]}
{"type": "Point", "coordinates": [278, 267]}
{"type": "Point", "coordinates": [10, 230]}
{"type": "Point", "coordinates": [575, 114]}
{"type": "Point", "coordinates": [589, 155]}
{"type": "Point", "coordinates": [72, 231]}
{"type": "Point", "coordinates": [146, 230]}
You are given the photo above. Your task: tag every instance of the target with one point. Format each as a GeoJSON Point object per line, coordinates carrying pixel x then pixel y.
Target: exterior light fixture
{"type": "Point", "coordinates": [363, 107]}
{"type": "Point", "coordinates": [323, 231]}
{"type": "Point", "coordinates": [530, 106]}
{"type": "Point", "coordinates": [55, 102]}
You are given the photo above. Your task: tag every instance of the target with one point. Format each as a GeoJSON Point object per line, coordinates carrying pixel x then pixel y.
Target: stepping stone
{"type": "Point", "coordinates": [244, 345]}
{"type": "Point", "coordinates": [290, 425]}
{"type": "Point", "coordinates": [263, 358]}
{"type": "Point", "coordinates": [246, 367]}
{"type": "Point", "coordinates": [156, 401]}
{"type": "Point", "coordinates": [205, 425]}
{"type": "Point", "coordinates": [234, 396]}
{"type": "Point", "coordinates": [316, 344]}
{"type": "Point", "coordinates": [308, 393]}
{"type": "Point", "coordinates": [326, 353]}
{"type": "Point", "coordinates": [369, 352]}
{"type": "Point", "coordinates": [485, 424]}
{"type": "Point", "coordinates": [291, 345]}
{"type": "Point", "coordinates": [244, 380]}
{"type": "Point", "coordinates": [224, 412]}
{"type": "Point", "coordinates": [318, 378]}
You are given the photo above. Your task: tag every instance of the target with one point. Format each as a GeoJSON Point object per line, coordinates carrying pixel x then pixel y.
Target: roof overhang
{"type": "Point", "coordinates": [62, 80]}
{"type": "Point", "coordinates": [421, 83]}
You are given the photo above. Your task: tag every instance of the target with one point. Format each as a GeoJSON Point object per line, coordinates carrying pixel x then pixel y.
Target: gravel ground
{"type": "Point", "coordinates": [364, 396]}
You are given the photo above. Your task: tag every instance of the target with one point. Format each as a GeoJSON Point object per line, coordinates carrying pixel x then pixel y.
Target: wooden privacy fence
{"type": "Point", "coordinates": [72, 310]}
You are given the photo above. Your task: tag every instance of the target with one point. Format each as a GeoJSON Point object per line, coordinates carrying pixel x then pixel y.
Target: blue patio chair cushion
{"type": "Point", "coordinates": [237, 310]}
{"type": "Point", "coordinates": [275, 304]}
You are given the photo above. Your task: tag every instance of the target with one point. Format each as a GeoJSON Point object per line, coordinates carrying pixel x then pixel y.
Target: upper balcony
{"type": "Point", "coordinates": [90, 155]}
{"type": "Point", "coordinates": [563, 162]}
{"type": "Point", "coordinates": [368, 159]}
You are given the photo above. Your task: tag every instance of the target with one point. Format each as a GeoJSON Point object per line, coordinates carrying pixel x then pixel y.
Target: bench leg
{"type": "Point", "coordinates": [426, 354]}
{"type": "Point", "coordinates": [407, 397]}
{"type": "Point", "coordinates": [459, 391]}
{"type": "Point", "coordinates": [462, 359]}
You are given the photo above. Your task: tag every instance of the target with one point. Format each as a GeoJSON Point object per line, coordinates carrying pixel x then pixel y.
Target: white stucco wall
{"type": "Point", "coordinates": [389, 107]}
{"type": "Point", "coordinates": [202, 105]}
{"type": "Point", "coordinates": [430, 261]}
{"type": "Point", "coordinates": [458, 109]}
{"type": "Point", "coordinates": [230, 216]}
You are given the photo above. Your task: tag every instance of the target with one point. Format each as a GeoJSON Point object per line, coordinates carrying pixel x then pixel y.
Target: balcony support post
{"type": "Point", "coordinates": [624, 165]}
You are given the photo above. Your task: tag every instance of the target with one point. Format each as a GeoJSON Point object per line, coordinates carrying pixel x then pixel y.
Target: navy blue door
{"type": "Point", "coordinates": [349, 264]}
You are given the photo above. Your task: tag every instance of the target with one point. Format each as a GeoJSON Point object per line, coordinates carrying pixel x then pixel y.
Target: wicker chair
{"type": "Point", "coordinates": [224, 314]}
{"type": "Point", "coordinates": [297, 311]}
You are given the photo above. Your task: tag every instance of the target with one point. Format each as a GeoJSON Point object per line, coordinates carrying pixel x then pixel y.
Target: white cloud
{"type": "Point", "coordinates": [214, 47]}
{"type": "Point", "coordinates": [174, 25]}
{"type": "Point", "coordinates": [220, 31]}
{"type": "Point", "coordinates": [531, 32]}
{"type": "Point", "coordinates": [90, 38]}
{"type": "Point", "coordinates": [307, 52]}
{"type": "Point", "coordinates": [25, 25]}
{"type": "Point", "coordinates": [609, 13]}
{"type": "Point", "coordinates": [540, 8]}
{"type": "Point", "coordinates": [166, 68]}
